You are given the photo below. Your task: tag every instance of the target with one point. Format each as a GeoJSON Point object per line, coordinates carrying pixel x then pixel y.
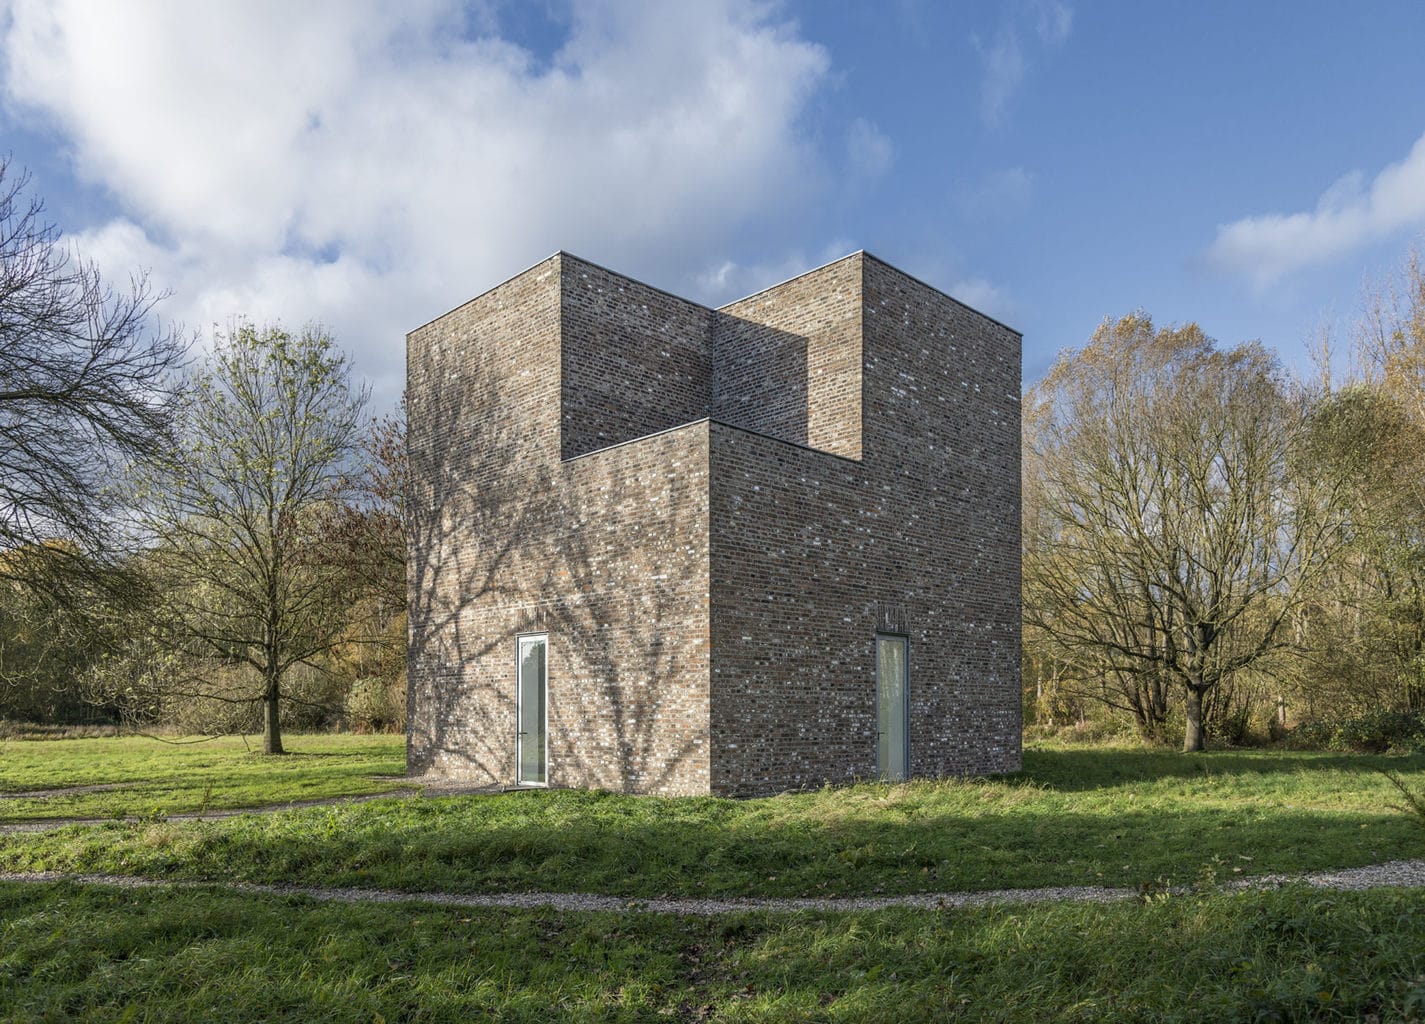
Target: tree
{"type": "Point", "coordinates": [368, 539]}
{"type": "Point", "coordinates": [1173, 532]}
{"type": "Point", "coordinates": [1366, 627]}
{"type": "Point", "coordinates": [242, 565]}
{"type": "Point", "coordinates": [88, 388]}
{"type": "Point", "coordinates": [1366, 624]}
{"type": "Point", "coordinates": [368, 531]}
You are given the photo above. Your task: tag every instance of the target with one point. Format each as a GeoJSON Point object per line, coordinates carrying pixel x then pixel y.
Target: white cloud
{"type": "Point", "coordinates": [1348, 215]}
{"type": "Point", "coordinates": [1053, 21]}
{"type": "Point", "coordinates": [370, 165]}
{"type": "Point", "coordinates": [730, 280]}
{"type": "Point", "coordinates": [869, 153]}
{"type": "Point", "coordinates": [1005, 62]}
{"type": "Point", "coordinates": [984, 295]}
{"type": "Point", "coordinates": [1004, 72]}
{"type": "Point", "coordinates": [1000, 193]}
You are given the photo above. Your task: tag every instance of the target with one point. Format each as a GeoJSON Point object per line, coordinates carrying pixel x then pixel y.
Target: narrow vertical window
{"type": "Point", "coordinates": [892, 706]}
{"type": "Point", "coordinates": [532, 699]}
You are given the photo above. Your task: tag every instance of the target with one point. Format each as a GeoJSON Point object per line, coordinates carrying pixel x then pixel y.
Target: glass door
{"type": "Point", "coordinates": [892, 707]}
{"type": "Point", "coordinates": [531, 746]}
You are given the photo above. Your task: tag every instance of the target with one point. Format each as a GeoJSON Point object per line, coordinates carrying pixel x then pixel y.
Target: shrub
{"type": "Point", "coordinates": [1372, 733]}
{"type": "Point", "coordinates": [1089, 731]}
{"type": "Point", "coordinates": [1414, 805]}
{"type": "Point", "coordinates": [223, 704]}
{"type": "Point", "coordinates": [375, 705]}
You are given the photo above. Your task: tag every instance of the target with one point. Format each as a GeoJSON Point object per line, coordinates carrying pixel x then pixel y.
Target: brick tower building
{"type": "Point", "coordinates": [662, 548]}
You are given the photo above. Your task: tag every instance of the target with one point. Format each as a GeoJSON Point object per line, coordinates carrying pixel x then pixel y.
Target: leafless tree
{"type": "Point", "coordinates": [88, 388]}
{"type": "Point", "coordinates": [245, 570]}
{"type": "Point", "coordinates": [1175, 529]}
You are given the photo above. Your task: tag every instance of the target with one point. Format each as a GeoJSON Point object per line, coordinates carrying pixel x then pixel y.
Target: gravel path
{"type": "Point", "coordinates": [1397, 874]}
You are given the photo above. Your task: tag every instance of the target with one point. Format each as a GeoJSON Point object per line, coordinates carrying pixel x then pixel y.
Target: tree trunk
{"type": "Point", "coordinates": [271, 729]}
{"type": "Point", "coordinates": [1193, 735]}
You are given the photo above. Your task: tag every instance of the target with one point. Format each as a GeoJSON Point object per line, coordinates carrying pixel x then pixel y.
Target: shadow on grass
{"type": "Point", "coordinates": [1162, 820]}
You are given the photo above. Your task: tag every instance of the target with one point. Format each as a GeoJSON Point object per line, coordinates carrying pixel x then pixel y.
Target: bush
{"type": "Point", "coordinates": [374, 705]}
{"type": "Point", "coordinates": [1089, 731]}
{"type": "Point", "coordinates": [214, 714]}
{"type": "Point", "coordinates": [1372, 733]}
{"type": "Point", "coordinates": [311, 700]}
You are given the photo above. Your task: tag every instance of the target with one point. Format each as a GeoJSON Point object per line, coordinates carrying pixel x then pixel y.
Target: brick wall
{"type": "Point", "coordinates": [712, 592]}
{"type": "Point", "coordinates": [792, 701]}
{"type": "Point", "coordinates": [943, 390]}
{"type": "Point", "coordinates": [787, 361]}
{"type": "Point", "coordinates": [607, 553]}
{"type": "Point", "coordinates": [482, 395]}
{"type": "Point", "coordinates": [635, 360]}
{"type": "Point", "coordinates": [810, 553]}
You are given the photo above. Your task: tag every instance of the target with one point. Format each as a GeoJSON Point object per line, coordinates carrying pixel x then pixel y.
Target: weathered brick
{"type": "Point", "coordinates": [712, 513]}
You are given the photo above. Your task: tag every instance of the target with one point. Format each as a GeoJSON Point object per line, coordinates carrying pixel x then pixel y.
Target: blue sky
{"type": "Point", "coordinates": [1247, 166]}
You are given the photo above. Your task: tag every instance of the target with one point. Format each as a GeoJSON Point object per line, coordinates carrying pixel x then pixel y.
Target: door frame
{"type": "Point", "coordinates": [519, 708]}
{"type": "Point", "coordinates": [904, 638]}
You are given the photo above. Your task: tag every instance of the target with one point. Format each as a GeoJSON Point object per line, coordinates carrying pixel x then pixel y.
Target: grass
{"type": "Point", "coordinates": [1112, 816]}
{"type": "Point", "coordinates": [70, 953]}
{"type": "Point", "coordinates": [1122, 816]}
{"type": "Point", "coordinates": [159, 778]}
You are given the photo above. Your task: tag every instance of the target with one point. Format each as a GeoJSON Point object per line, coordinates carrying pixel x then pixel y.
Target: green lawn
{"type": "Point", "coordinates": [1114, 816]}
{"type": "Point", "coordinates": [71, 953]}
{"type": "Point", "coordinates": [173, 777]}
{"type": "Point", "coordinates": [1118, 816]}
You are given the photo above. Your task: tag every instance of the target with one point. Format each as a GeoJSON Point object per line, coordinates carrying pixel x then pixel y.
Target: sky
{"type": "Point", "coordinates": [1053, 163]}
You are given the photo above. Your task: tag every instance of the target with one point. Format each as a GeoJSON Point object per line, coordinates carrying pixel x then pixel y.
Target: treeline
{"type": "Point", "coordinates": [213, 544]}
{"type": "Point", "coordinates": [1213, 548]}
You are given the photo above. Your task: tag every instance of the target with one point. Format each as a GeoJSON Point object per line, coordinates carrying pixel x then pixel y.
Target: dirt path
{"type": "Point", "coordinates": [1397, 874]}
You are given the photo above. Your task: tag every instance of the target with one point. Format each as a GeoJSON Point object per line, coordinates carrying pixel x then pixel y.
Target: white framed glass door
{"type": "Point", "coordinates": [532, 710]}
{"type": "Point", "coordinates": [892, 707]}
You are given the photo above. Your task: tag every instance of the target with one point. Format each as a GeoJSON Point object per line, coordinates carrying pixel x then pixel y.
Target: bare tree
{"type": "Point", "coordinates": [87, 389]}
{"type": "Point", "coordinates": [368, 529]}
{"type": "Point", "coordinates": [1174, 534]}
{"type": "Point", "coordinates": [244, 567]}
{"type": "Point", "coordinates": [366, 538]}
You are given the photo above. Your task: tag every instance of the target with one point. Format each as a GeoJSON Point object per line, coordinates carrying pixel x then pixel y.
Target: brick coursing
{"type": "Point", "coordinates": [633, 360]}
{"type": "Point", "coordinates": [801, 341]}
{"type": "Point", "coordinates": [711, 513]}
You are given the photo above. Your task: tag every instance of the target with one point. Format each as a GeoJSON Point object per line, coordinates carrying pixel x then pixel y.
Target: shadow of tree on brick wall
{"type": "Point", "coordinates": [501, 543]}
{"type": "Point", "coordinates": [626, 627]}
{"type": "Point", "coordinates": [465, 525]}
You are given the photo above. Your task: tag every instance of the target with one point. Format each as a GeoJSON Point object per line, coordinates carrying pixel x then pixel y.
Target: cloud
{"type": "Point", "coordinates": [1004, 60]}
{"type": "Point", "coordinates": [370, 165]}
{"type": "Point", "coordinates": [998, 194]}
{"type": "Point", "coordinates": [1004, 72]}
{"type": "Point", "coordinates": [730, 280]}
{"type": "Point", "coordinates": [1348, 215]}
{"type": "Point", "coordinates": [869, 153]}
{"type": "Point", "coordinates": [984, 295]}
{"type": "Point", "coordinates": [1053, 21]}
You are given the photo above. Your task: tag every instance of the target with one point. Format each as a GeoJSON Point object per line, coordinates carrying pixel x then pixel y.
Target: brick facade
{"type": "Point", "coordinates": [712, 513]}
